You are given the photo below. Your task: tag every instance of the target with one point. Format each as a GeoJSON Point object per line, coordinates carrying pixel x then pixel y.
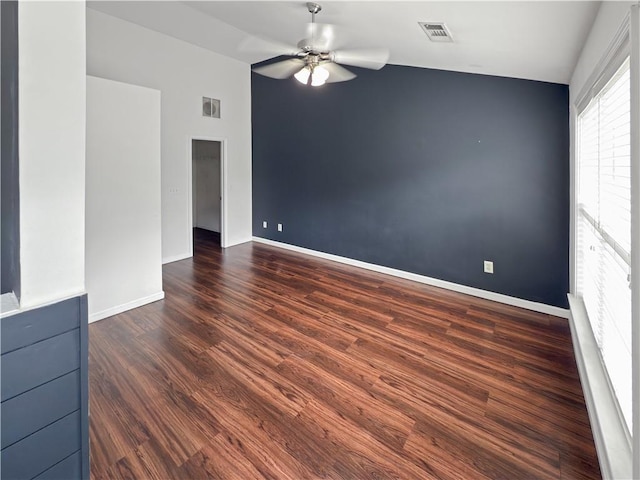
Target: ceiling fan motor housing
{"type": "Point", "coordinates": [314, 7]}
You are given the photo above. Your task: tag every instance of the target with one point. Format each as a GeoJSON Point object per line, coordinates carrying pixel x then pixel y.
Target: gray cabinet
{"type": "Point", "coordinates": [44, 362]}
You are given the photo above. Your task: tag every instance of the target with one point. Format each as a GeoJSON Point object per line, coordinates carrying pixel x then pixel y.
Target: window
{"type": "Point", "coordinates": [603, 229]}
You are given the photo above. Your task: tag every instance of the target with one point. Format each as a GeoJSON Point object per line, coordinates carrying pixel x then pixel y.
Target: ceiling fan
{"type": "Point", "coordinates": [315, 63]}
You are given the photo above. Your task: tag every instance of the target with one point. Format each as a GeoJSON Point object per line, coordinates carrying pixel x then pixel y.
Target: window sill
{"type": "Point", "coordinates": [610, 436]}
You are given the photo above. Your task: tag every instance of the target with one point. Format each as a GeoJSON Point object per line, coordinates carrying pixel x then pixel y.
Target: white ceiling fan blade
{"type": "Point", "coordinates": [320, 37]}
{"type": "Point", "coordinates": [281, 70]}
{"type": "Point", "coordinates": [270, 48]}
{"type": "Point", "coordinates": [374, 59]}
{"type": "Point", "coordinates": [337, 73]}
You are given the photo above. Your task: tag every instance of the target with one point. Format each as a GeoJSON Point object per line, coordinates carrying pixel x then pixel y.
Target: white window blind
{"type": "Point", "coordinates": [603, 226]}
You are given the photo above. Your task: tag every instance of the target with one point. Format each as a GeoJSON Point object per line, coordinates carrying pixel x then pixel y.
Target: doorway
{"type": "Point", "coordinates": [207, 220]}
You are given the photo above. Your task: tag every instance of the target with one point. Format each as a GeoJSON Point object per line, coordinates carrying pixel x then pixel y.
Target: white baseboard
{"type": "Point", "coordinates": [176, 258]}
{"type": "Point", "coordinates": [476, 292]}
{"type": "Point", "coordinates": [109, 312]}
{"type": "Point", "coordinates": [184, 256]}
{"type": "Point", "coordinates": [238, 241]}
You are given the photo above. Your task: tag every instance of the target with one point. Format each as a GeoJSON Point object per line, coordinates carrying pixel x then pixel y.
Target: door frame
{"type": "Point", "coordinates": [223, 188]}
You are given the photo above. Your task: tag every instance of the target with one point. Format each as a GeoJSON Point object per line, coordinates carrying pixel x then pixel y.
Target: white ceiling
{"type": "Point", "coordinates": [535, 40]}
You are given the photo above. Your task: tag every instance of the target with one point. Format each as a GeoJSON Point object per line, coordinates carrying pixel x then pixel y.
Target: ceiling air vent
{"type": "Point", "coordinates": [437, 32]}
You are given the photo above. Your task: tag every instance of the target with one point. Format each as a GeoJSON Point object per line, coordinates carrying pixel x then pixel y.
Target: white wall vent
{"type": "Point", "coordinates": [210, 107]}
{"type": "Point", "coordinates": [436, 31]}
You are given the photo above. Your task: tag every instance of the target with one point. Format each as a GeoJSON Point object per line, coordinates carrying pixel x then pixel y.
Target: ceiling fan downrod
{"type": "Point", "coordinates": [313, 9]}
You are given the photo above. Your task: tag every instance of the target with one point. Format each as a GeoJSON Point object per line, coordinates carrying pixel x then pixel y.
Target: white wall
{"type": "Point", "coordinates": [206, 188]}
{"type": "Point", "coordinates": [123, 232]}
{"type": "Point", "coordinates": [52, 69]}
{"type": "Point", "coordinates": [184, 73]}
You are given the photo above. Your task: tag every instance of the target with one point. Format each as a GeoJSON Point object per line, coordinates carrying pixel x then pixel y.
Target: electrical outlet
{"type": "Point", "coordinates": [279, 227]}
{"type": "Point", "coordinates": [264, 224]}
{"type": "Point", "coordinates": [488, 266]}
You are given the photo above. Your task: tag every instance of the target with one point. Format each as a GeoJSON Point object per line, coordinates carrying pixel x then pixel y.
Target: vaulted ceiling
{"type": "Point", "coordinates": [534, 40]}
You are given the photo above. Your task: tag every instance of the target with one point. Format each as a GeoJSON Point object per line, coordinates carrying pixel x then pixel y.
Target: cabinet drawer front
{"type": "Point", "coordinates": [40, 451]}
{"type": "Point", "coordinates": [37, 408]}
{"type": "Point", "coordinates": [31, 366]}
{"type": "Point", "coordinates": [36, 325]}
{"type": "Point", "coordinates": [67, 469]}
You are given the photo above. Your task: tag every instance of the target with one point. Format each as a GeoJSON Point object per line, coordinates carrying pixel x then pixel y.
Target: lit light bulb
{"type": "Point", "coordinates": [303, 75]}
{"type": "Point", "coordinates": [319, 76]}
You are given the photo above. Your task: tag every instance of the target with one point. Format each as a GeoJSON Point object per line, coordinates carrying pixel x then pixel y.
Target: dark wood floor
{"type": "Point", "coordinates": [262, 363]}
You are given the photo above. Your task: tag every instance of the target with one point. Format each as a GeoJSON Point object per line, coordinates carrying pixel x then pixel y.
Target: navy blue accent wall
{"type": "Point", "coordinates": [9, 201]}
{"type": "Point", "coordinates": [425, 171]}
{"type": "Point", "coordinates": [45, 421]}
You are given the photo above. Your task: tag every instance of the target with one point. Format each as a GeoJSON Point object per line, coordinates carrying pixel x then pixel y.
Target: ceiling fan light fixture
{"type": "Point", "coordinates": [303, 75]}
{"type": "Point", "coordinates": [319, 76]}
{"type": "Point", "coordinates": [316, 62]}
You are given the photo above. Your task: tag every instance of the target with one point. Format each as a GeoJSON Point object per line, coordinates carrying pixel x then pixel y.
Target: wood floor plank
{"type": "Point", "coordinates": [361, 454]}
{"type": "Point", "coordinates": [362, 408]}
{"type": "Point", "coordinates": [440, 461]}
{"type": "Point", "coordinates": [275, 389]}
{"type": "Point", "coordinates": [254, 342]}
{"type": "Point", "coordinates": [309, 326]}
{"type": "Point", "coordinates": [219, 459]}
{"type": "Point", "coordinates": [125, 431]}
{"type": "Point", "coordinates": [438, 384]}
{"type": "Point", "coordinates": [262, 363]}
{"type": "Point", "coordinates": [261, 435]}
{"type": "Point", "coordinates": [149, 461]}
{"type": "Point", "coordinates": [341, 364]}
